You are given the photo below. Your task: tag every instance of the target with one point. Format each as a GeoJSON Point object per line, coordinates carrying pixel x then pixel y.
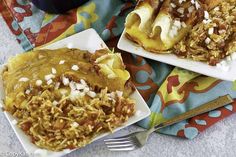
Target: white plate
{"type": "Point", "coordinates": [86, 40]}
{"type": "Point", "coordinates": [199, 67]}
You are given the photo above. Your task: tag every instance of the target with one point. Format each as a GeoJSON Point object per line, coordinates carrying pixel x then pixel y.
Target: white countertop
{"type": "Point", "coordinates": [217, 141]}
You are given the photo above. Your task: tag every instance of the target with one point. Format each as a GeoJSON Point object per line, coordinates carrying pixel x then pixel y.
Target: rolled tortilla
{"type": "Point", "coordinates": [158, 30]}
{"type": "Point", "coordinates": [142, 14]}
{"type": "Point", "coordinates": [139, 22]}
{"type": "Point", "coordinates": [139, 17]}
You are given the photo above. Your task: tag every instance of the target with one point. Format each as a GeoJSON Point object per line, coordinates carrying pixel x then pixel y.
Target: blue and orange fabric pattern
{"type": "Point", "coordinates": [168, 90]}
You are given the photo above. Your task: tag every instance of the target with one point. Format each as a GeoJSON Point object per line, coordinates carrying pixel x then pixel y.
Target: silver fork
{"type": "Point", "coordinates": [139, 139]}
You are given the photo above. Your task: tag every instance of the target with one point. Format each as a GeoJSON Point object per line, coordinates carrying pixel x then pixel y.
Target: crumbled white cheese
{"type": "Point", "coordinates": [86, 89]}
{"type": "Point", "coordinates": [91, 94]}
{"type": "Point", "coordinates": [49, 76]}
{"type": "Point", "coordinates": [207, 40]}
{"type": "Point", "coordinates": [222, 31]}
{"type": "Point", "coordinates": [174, 29]}
{"type": "Point", "coordinates": [39, 83]}
{"type": "Point", "coordinates": [183, 24]}
{"type": "Point", "coordinates": [197, 5]}
{"type": "Point", "coordinates": [65, 81]}
{"type": "Point", "coordinates": [79, 86]}
{"type": "Point", "coordinates": [181, 1]}
{"type": "Point", "coordinates": [211, 30]}
{"type": "Point", "coordinates": [62, 62]}
{"type": "Point", "coordinates": [172, 5]}
{"type": "Point", "coordinates": [75, 67]}
{"type": "Point", "coordinates": [119, 93]}
{"type": "Point", "coordinates": [72, 85]}
{"type": "Point", "coordinates": [191, 9]}
{"type": "Point", "coordinates": [217, 8]}
{"type": "Point", "coordinates": [180, 10]}
{"type": "Point", "coordinates": [74, 125]}
{"type": "Point", "coordinates": [177, 23]}
{"type": "Point", "coordinates": [55, 103]}
{"type": "Point", "coordinates": [54, 71]}
{"type": "Point", "coordinates": [82, 81]}
{"type": "Point", "coordinates": [109, 96]}
{"type": "Point", "coordinates": [206, 15]}
{"type": "Point", "coordinates": [57, 85]}
{"type": "Point", "coordinates": [27, 92]}
{"type": "Point", "coordinates": [75, 94]}
{"type": "Point", "coordinates": [49, 82]}
{"type": "Point", "coordinates": [23, 79]}
{"type": "Point", "coordinates": [112, 95]}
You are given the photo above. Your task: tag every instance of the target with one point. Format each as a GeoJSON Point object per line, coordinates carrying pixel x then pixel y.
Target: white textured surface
{"type": "Point", "coordinates": [217, 141]}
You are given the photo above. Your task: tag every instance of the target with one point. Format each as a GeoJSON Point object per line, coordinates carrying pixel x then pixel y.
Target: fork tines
{"type": "Point", "coordinates": [121, 144]}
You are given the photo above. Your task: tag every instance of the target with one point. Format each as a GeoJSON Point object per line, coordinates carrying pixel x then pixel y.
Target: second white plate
{"type": "Point", "coordinates": [198, 67]}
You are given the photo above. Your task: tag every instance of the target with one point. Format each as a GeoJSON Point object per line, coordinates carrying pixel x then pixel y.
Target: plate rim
{"type": "Point", "coordinates": [153, 56]}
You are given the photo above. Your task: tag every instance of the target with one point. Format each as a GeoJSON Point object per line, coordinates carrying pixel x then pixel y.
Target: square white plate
{"type": "Point", "coordinates": [198, 67]}
{"type": "Point", "coordinates": [86, 40]}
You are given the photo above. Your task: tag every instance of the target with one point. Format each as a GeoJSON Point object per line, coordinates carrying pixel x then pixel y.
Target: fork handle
{"type": "Point", "coordinates": [214, 104]}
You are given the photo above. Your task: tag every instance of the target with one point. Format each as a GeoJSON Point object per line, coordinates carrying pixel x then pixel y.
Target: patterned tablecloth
{"type": "Point", "coordinates": [168, 91]}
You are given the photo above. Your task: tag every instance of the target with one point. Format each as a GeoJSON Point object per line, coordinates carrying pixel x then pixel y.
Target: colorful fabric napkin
{"type": "Point", "coordinates": [168, 90]}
